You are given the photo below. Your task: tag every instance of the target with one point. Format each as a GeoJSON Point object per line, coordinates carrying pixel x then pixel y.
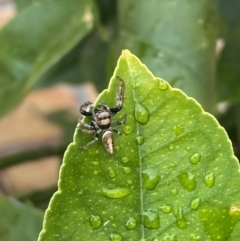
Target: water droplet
{"type": "Point", "coordinates": [181, 223]}
{"type": "Point", "coordinates": [195, 158]}
{"type": "Point", "coordinates": [171, 147]}
{"type": "Point", "coordinates": [177, 129]}
{"type": "Point", "coordinates": [127, 170]}
{"type": "Point", "coordinates": [117, 148]}
{"type": "Point", "coordinates": [172, 165]}
{"type": "Point", "coordinates": [141, 114]}
{"type": "Point", "coordinates": [162, 84]}
{"type": "Point", "coordinates": [115, 237]}
{"type": "Point", "coordinates": [170, 237]}
{"type": "Point", "coordinates": [131, 223]}
{"type": "Point", "coordinates": [124, 159]}
{"type": "Point", "coordinates": [174, 191]}
{"type": "Point", "coordinates": [127, 129]}
{"type": "Point", "coordinates": [209, 179]}
{"type": "Point", "coordinates": [95, 221]}
{"type": "Point", "coordinates": [139, 140]}
{"type": "Point", "coordinates": [132, 151]}
{"type": "Point", "coordinates": [129, 181]}
{"type": "Point", "coordinates": [80, 193]}
{"type": "Point", "coordinates": [188, 148]}
{"type": "Point", "coordinates": [194, 237]}
{"type": "Point", "coordinates": [116, 193]}
{"type": "Point", "coordinates": [95, 172]}
{"type": "Point", "coordinates": [150, 179]}
{"type": "Point", "coordinates": [188, 181]}
{"type": "Point", "coordinates": [95, 163]}
{"type": "Point", "coordinates": [111, 173]}
{"type": "Point", "coordinates": [195, 203]}
{"type": "Point", "coordinates": [151, 220]}
{"type": "Point", "coordinates": [166, 208]}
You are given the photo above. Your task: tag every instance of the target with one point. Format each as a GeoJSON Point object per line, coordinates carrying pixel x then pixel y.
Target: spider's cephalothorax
{"type": "Point", "coordinates": [102, 122]}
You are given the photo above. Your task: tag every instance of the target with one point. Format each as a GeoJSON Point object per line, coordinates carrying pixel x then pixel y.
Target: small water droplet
{"type": "Point", "coordinates": [95, 221]}
{"type": "Point", "coordinates": [127, 129]}
{"type": "Point", "coordinates": [162, 84]}
{"type": "Point", "coordinates": [188, 181]}
{"type": "Point", "coordinates": [188, 148]}
{"type": "Point", "coordinates": [166, 208]}
{"type": "Point", "coordinates": [151, 220]}
{"type": "Point", "coordinates": [171, 147]}
{"type": "Point", "coordinates": [111, 173]}
{"type": "Point", "coordinates": [117, 148]}
{"type": "Point", "coordinates": [132, 151]}
{"type": "Point", "coordinates": [195, 158]}
{"type": "Point", "coordinates": [95, 163]}
{"type": "Point", "coordinates": [195, 203]}
{"type": "Point", "coordinates": [116, 192]}
{"type": "Point", "coordinates": [209, 179]}
{"type": "Point", "coordinates": [95, 172]}
{"type": "Point", "coordinates": [127, 170]}
{"type": "Point", "coordinates": [129, 181]}
{"type": "Point", "coordinates": [172, 165]}
{"type": "Point", "coordinates": [150, 179]}
{"type": "Point", "coordinates": [181, 223]}
{"type": "Point", "coordinates": [141, 114]}
{"type": "Point", "coordinates": [178, 129]}
{"type": "Point", "coordinates": [124, 159]}
{"type": "Point", "coordinates": [131, 223]}
{"type": "Point", "coordinates": [194, 237]}
{"type": "Point", "coordinates": [180, 220]}
{"type": "Point", "coordinates": [139, 139]}
{"type": "Point", "coordinates": [115, 237]}
{"type": "Point", "coordinates": [170, 237]}
{"type": "Point", "coordinates": [174, 191]}
{"type": "Point", "coordinates": [80, 193]}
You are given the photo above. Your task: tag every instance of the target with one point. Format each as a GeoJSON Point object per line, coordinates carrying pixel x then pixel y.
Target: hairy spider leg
{"type": "Point", "coordinates": [120, 98]}
{"type": "Point", "coordinates": [84, 107]}
{"type": "Point", "coordinates": [96, 137]}
{"type": "Point", "coordinates": [120, 122]}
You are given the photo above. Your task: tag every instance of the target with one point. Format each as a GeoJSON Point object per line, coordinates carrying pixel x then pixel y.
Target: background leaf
{"type": "Point", "coordinates": [36, 39]}
{"type": "Point", "coordinates": [173, 171]}
{"type": "Point", "coordinates": [176, 40]}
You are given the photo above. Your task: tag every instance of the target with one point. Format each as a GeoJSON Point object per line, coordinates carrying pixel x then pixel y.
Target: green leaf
{"type": "Point", "coordinates": [172, 176]}
{"type": "Point", "coordinates": [177, 42]}
{"type": "Point", "coordinates": [36, 39]}
{"type": "Point", "coordinates": [18, 221]}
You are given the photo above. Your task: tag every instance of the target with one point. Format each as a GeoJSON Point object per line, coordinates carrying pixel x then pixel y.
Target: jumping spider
{"type": "Point", "coordinates": [102, 120]}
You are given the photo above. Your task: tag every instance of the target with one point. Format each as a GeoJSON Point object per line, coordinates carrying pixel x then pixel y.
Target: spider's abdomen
{"type": "Point", "coordinates": [108, 142]}
{"type": "Point", "coordinates": [104, 119]}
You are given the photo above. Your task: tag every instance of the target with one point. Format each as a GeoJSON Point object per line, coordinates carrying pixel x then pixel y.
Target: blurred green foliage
{"type": "Point", "coordinates": [52, 41]}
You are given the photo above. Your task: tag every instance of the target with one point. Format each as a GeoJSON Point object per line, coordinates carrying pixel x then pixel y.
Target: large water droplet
{"type": "Point", "coordinates": [127, 129]}
{"type": "Point", "coordinates": [209, 179]}
{"type": "Point", "coordinates": [194, 237]}
{"type": "Point", "coordinates": [195, 203]}
{"type": "Point", "coordinates": [111, 173]}
{"type": "Point", "coordinates": [170, 237]}
{"type": "Point", "coordinates": [178, 129]}
{"type": "Point", "coordinates": [141, 114]}
{"type": "Point", "coordinates": [151, 220]}
{"type": "Point", "coordinates": [150, 179]}
{"type": "Point", "coordinates": [131, 223]}
{"type": "Point", "coordinates": [95, 221]}
{"type": "Point", "coordinates": [124, 159]}
{"type": "Point", "coordinates": [116, 192]}
{"type": "Point", "coordinates": [188, 181]}
{"type": "Point", "coordinates": [162, 84]}
{"type": "Point", "coordinates": [195, 158]}
{"type": "Point", "coordinates": [127, 170]}
{"type": "Point", "coordinates": [166, 208]}
{"type": "Point", "coordinates": [115, 237]}
{"type": "Point", "coordinates": [139, 139]}
{"type": "Point", "coordinates": [174, 191]}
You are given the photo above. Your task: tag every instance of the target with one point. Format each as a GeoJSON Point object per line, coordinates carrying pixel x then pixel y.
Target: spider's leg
{"type": "Point", "coordinates": [85, 125]}
{"type": "Point", "coordinates": [120, 98]}
{"type": "Point", "coordinates": [120, 122]}
{"type": "Point", "coordinates": [84, 109]}
{"type": "Point", "coordinates": [94, 140]}
{"type": "Point", "coordinates": [115, 130]}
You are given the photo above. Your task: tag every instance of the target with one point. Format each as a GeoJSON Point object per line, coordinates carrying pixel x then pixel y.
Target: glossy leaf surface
{"type": "Point", "coordinates": [173, 175]}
